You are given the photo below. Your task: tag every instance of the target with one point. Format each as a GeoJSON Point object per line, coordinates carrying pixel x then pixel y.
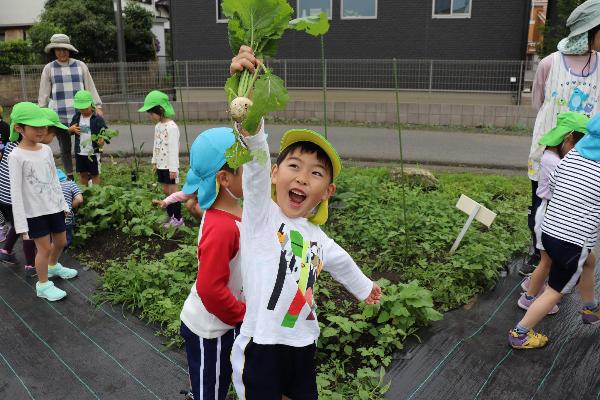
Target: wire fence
{"type": "Point", "coordinates": [131, 81]}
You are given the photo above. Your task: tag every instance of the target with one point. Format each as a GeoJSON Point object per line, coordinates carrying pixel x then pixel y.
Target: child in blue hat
{"type": "Point", "coordinates": [569, 234]}
{"type": "Point", "coordinates": [215, 306]}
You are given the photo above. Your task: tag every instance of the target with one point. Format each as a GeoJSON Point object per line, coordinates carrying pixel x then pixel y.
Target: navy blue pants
{"type": "Point", "coordinates": [209, 363]}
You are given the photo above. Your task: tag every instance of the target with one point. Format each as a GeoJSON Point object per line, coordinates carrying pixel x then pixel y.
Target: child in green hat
{"type": "Point", "coordinates": [38, 205]}
{"type": "Point", "coordinates": [165, 156]}
{"type": "Point", "coordinates": [84, 125]}
{"type": "Point", "coordinates": [570, 128]}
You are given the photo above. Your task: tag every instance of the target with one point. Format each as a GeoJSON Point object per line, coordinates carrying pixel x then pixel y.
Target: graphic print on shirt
{"type": "Point", "coordinates": [300, 260]}
{"type": "Point", "coordinates": [45, 184]}
{"type": "Point", "coordinates": [579, 99]}
{"type": "Point", "coordinates": [161, 143]}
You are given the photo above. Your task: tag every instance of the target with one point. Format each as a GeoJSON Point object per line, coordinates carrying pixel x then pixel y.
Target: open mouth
{"type": "Point", "coordinates": [297, 197]}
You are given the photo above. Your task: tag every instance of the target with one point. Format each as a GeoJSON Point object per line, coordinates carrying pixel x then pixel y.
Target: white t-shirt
{"type": "Point", "coordinates": [34, 186]}
{"type": "Point", "coordinates": [281, 261]}
{"type": "Point", "coordinates": [86, 147]}
{"type": "Point", "coordinates": [166, 146]}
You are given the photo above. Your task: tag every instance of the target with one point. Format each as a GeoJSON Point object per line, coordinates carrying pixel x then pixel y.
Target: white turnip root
{"type": "Point", "coordinates": [239, 108]}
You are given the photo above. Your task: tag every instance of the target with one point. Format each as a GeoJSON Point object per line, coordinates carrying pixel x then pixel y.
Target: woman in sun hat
{"type": "Point", "coordinates": [60, 80]}
{"type": "Point", "coordinates": [566, 80]}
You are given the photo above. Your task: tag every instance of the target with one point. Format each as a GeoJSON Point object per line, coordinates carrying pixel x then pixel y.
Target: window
{"type": "Point", "coordinates": [221, 18]}
{"type": "Point", "coordinates": [451, 8]}
{"type": "Point", "coordinates": [306, 8]}
{"type": "Point", "coordinates": [359, 9]}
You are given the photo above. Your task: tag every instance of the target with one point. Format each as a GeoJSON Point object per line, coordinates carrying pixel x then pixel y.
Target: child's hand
{"type": "Point", "coordinates": [244, 60]}
{"type": "Point", "coordinates": [74, 129]}
{"type": "Point", "coordinates": [99, 112]}
{"type": "Point", "coordinates": [375, 295]}
{"type": "Point", "coordinates": [101, 142]}
{"type": "Point", "coordinates": [25, 236]}
{"type": "Point", "coordinates": [172, 175]}
{"type": "Point", "coordinates": [160, 203]}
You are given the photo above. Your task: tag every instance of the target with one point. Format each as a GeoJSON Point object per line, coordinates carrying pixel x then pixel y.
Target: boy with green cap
{"type": "Point", "coordinates": [569, 234]}
{"type": "Point", "coordinates": [165, 157]}
{"type": "Point", "coordinates": [38, 204]}
{"type": "Point", "coordinates": [283, 252]}
{"type": "Point", "coordinates": [84, 124]}
{"type": "Point", "coordinates": [570, 128]}
{"type": "Point", "coordinates": [6, 253]}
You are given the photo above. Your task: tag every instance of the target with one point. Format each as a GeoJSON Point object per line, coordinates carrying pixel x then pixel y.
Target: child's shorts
{"type": "Point", "coordinates": [567, 263]}
{"type": "Point", "coordinates": [163, 177]}
{"type": "Point", "coordinates": [89, 164]}
{"type": "Point", "coordinates": [208, 363]}
{"type": "Point", "coordinates": [266, 371]}
{"type": "Point", "coordinates": [46, 224]}
{"type": "Point", "coordinates": [539, 220]}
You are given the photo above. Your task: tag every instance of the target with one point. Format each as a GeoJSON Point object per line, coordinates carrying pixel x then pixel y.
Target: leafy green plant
{"type": "Point", "coordinates": [259, 24]}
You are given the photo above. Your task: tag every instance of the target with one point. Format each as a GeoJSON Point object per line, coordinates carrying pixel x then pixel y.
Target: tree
{"type": "Point", "coordinates": [139, 39]}
{"type": "Point", "coordinates": [14, 52]}
{"type": "Point", "coordinates": [556, 29]}
{"type": "Point", "coordinates": [91, 27]}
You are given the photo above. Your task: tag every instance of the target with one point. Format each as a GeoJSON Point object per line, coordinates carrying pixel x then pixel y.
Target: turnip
{"type": "Point", "coordinates": [238, 108]}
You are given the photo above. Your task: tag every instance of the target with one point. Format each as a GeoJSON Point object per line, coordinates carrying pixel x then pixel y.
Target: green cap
{"type": "Point", "coordinates": [567, 122]}
{"type": "Point", "coordinates": [26, 113]}
{"type": "Point", "coordinates": [52, 116]}
{"type": "Point", "coordinates": [83, 99]}
{"type": "Point", "coordinates": [158, 98]}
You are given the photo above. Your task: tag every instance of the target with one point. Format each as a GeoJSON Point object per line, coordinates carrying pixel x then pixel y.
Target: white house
{"type": "Point", "coordinates": [18, 17]}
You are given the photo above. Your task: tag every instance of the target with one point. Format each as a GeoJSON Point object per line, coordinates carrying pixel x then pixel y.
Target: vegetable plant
{"type": "Point", "coordinates": [259, 24]}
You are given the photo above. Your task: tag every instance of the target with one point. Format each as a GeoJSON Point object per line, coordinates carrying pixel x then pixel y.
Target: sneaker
{"type": "Point", "coordinates": [527, 281]}
{"type": "Point", "coordinates": [7, 257]}
{"type": "Point", "coordinates": [62, 272]}
{"type": "Point", "coordinates": [3, 231]}
{"type": "Point", "coordinates": [590, 317]}
{"type": "Point", "coordinates": [168, 223]}
{"type": "Point", "coordinates": [49, 292]}
{"type": "Point", "coordinates": [176, 223]}
{"type": "Point", "coordinates": [525, 303]}
{"type": "Point", "coordinates": [30, 271]}
{"type": "Point", "coordinates": [529, 340]}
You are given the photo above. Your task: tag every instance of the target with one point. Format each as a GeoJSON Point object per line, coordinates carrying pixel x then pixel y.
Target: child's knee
{"type": "Point", "coordinates": [59, 239]}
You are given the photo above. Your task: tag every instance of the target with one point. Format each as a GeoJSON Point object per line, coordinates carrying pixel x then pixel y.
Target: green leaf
{"type": "Point", "coordinates": [237, 155]}
{"type": "Point", "coordinates": [231, 87]}
{"type": "Point", "coordinates": [348, 350]}
{"type": "Point", "coordinates": [314, 25]}
{"type": "Point", "coordinates": [256, 22]}
{"type": "Point", "coordinates": [384, 316]}
{"type": "Point", "coordinates": [269, 95]}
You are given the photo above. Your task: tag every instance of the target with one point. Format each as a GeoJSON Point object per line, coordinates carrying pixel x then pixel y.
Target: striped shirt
{"type": "Point", "coordinates": [573, 214]}
{"type": "Point", "coordinates": [4, 174]}
{"type": "Point", "coordinates": [69, 190]}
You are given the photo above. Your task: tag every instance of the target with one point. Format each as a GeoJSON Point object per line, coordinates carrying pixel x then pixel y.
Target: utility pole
{"type": "Point", "coordinates": [120, 46]}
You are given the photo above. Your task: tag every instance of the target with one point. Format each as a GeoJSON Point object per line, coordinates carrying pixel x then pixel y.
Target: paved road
{"type": "Point", "coordinates": [375, 144]}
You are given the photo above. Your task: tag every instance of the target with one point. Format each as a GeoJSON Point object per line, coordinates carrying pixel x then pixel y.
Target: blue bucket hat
{"type": "Point", "coordinates": [207, 157]}
{"type": "Point", "coordinates": [589, 145]}
{"type": "Point", "coordinates": [61, 175]}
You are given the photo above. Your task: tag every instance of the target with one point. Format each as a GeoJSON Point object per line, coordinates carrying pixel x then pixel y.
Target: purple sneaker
{"type": "Point", "coordinates": [590, 317]}
{"type": "Point", "coordinates": [7, 257]}
{"type": "Point", "coordinates": [527, 281]}
{"type": "Point", "coordinates": [525, 303]}
{"type": "Point", "coordinates": [30, 271]}
{"type": "Point", "coordinates": [168, 223]}
{"type": "Point", "coordinates": [176, 223]}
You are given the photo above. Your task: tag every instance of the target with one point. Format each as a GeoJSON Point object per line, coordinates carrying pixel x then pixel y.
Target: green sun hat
{"type": "Point", "coordinates": [158, 98]}
{"type": "Point", "coordinates": [83, 99]}
{"type": "Point", "coordinates": [567, 122]}
{"type": "Point", "coordinates": [26, 113]}
{"type": "Point", "coordinates": [52, 116]}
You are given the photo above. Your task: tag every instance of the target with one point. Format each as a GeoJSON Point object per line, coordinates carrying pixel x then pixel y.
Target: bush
{"type": "Point", "coordinates": [14, 52]}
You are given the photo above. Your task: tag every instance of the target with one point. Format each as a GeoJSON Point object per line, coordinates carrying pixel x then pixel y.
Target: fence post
{"type": "Point", "coordinates": [519, 87]}
{"type": "Point", "coordinates": [285, 72]}
{"type": "Point", "coordinates": [430, 75]}
{"type": "Point", "coordinates": [187, 74]}
{"type": "Point", "coordinates": [23, 83]}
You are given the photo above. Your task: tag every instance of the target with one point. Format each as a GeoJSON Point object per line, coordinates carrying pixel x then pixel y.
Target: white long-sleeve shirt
{"type": "Point", "coordinates": [34, 186]}
{"type": "Point", "coordinates": [281, 261]}
{"type": "Point", "coordinates": [166, 146]}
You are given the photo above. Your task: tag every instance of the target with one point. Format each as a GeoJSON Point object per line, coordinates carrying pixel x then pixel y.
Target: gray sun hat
{"type": "Point", "coordinates": [585, 17]}
{"type": "Point", "coordinates": [60, 41]}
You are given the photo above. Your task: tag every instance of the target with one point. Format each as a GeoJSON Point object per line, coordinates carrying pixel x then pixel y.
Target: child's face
{"type": "Point", "coordinates": [301, 182]}
{"type": "Point", "coordinates": [154, 117]}
{"type": "Point", "coordinates": [34, 134]}
{"type": "Point", "coordinates": [567, 145]}
{"type": "Point", "coordinates": [86, 112]}
{"type": "Point", "coordinates": [50, 134]}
